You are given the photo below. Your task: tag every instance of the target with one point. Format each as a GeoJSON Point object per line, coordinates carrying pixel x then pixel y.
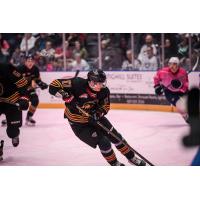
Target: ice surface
{"type": "Point", "coordinates": [155, 135]}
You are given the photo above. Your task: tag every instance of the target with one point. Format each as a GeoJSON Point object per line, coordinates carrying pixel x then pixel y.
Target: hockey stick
{"type": "Point", "coordinates": [116, 137]}
{"type": "Point", "coordinates": [77, 73]}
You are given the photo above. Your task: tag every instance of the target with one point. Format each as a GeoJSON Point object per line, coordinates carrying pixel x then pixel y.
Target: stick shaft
{"type": "Point", "coordinates": [111, 133]}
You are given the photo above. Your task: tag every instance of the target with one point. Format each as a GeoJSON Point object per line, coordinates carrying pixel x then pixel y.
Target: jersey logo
{"type": "Point", "coordinates": [85, 96]}
{"type": "Point", "coordinates": [88, 105]}
{"type": "Point", "coordinates": [67, 83]}
{"type": "Point", "coordinates": [94, 134]}
{"type": "Point", "coordinates": [91, 94]}
{"type": "Point", "coordinates": [17, 74]}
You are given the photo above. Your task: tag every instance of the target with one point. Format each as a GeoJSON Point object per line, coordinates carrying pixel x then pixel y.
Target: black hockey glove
{"type": "Point", "coordinates": [23, 103]}
{"type": "Point", "coordinates": [95, 116]}
{"type": "Point", "coordinates": [176, 84]}
{"type": "Point", "coordinates": [158, 89]}
{"type": "Point", "coordinates": [42, 85]}
{"type": "Point", "coordinates": [69, 99]}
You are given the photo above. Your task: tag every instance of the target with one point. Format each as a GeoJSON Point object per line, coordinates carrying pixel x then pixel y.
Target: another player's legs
{"type": "Point", "coordinates": [121, 144]}
{"type": "Point", "coordinates": [14, 122]}
{"type": "Point", "coordinates": [32, 108]}
{"type": "Point", "coordinates": [179, 102]}
{"type": "Point", "coordinates": [91, 136]}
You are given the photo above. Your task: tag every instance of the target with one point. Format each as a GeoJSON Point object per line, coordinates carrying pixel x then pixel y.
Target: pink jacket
{"type": "Point", "coordinates": [164, 77]}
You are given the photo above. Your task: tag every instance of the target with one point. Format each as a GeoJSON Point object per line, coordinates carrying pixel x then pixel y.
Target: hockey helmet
{"type": "Point", "coordinates": [97, 75]}
{"type": "Point", "coordinates": [174, 60]}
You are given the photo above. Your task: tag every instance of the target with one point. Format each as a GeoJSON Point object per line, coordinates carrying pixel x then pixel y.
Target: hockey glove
{"type": "Point", "coordinates": [158, 89]}
{"type": "Point", "coordinates": [176, 84]}
{"type": "Point", "coordinates": [69, 99]}
{"type": "Point", "coordinates": [95, 117]}
{"type": "Point", "coordinates": [23, 103]}
{"type": "Point", "coordinates": [42, 85]}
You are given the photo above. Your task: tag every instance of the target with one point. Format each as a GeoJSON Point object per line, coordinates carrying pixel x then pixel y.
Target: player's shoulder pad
{"type": "Point", "coordinates": [78, 81]}
{"type": "Point", "coordinates": [105, 91]}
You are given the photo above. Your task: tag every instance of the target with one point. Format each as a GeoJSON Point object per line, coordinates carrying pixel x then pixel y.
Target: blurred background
{"type": "Point", "coordinates": [109, 51]}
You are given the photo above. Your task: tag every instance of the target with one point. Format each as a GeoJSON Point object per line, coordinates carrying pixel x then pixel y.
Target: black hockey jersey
{"type": "Point", "coordinates": [30, 75]}
{"type": "Point", "coordinates": [86, 98]}
{"type": "Point", "coordinates": [12, 84]}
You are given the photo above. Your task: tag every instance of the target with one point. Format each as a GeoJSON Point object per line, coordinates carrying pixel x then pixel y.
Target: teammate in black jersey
{"type": "Point", "coordinates": [92, 95]}
{"type": "Point", "coordinates": [13, 99]}
{"type": "Point", "coordinates": [32, 75]}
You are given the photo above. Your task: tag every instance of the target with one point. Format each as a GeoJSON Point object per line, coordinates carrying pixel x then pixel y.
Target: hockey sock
{"type": "Point", "coordinates": [125, 150]}
{"type": "Point", "coordinates": [31, 111]}
{"type": "Point", "coordinates": [110, 156]}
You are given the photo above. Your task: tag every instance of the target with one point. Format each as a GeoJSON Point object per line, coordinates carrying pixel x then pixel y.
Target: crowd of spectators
{"type": "Point", "coordinates": [80, 51]}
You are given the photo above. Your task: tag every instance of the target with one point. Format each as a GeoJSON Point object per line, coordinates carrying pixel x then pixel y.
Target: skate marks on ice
{"type": "Point", "coordinates": [156, 135]}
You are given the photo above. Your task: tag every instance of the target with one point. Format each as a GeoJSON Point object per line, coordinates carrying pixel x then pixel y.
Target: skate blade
{"type": "Point", "coordinates": [28, 124]}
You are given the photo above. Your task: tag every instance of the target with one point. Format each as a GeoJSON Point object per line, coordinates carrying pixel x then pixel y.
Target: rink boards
{"type": "Point", "coordinates": [129, 90]}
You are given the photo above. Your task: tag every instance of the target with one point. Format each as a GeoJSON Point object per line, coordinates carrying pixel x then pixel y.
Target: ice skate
{"type": "Point", "coordinates": [15, 141]}
{"type": "Point", "coordinates": [30, 121]}
{"type": "Point", "coordinates": [136, 161]}
{"type": "Point", "coordinates": [118, 164]}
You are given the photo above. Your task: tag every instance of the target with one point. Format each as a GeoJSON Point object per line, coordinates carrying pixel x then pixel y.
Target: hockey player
{"type": "Point", "coordinates": [13, 99]}
{"type": "Point", "coordinates": [32, 75]}
{"type": "Point", "coordinates": [173, 81]}
{"type": "Point", "coordinates": [92, 96]}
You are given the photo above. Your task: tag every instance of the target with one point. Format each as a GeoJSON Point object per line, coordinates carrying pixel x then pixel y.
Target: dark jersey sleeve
{"type": "Point", "coordinates": [59, 85]}
{"type": "Point", "coordinates": [104, 102]}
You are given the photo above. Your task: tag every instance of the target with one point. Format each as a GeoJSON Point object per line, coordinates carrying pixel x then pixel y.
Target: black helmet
{"type": "Point", "coordinates": [97, 75]}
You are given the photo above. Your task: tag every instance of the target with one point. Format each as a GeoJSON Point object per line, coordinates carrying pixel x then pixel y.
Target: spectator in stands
{"type": "Point", "coordinates": [149, 62]}
{"type": "Point", "coordinates": [183, 47]}
{"type": "Point", "coordinates": [58, 64]}
{"type": "Point", "coordinates": [123, 46]}
{"type": "Point", "coordinates": [17, 58]}
{"type": "Point", "coordinates": [127, 64]}
{"type": "Point", "coordinates": [41, 41]}
{"type": "Point", "coordinates": [185, 63]}
{"type": "Point", "coordinates": [68, 51]}
{"type": "Point", "coordinates": [71, 38]}
{"type": "Point", "coordinates": [79, 63]}
{"type": "Point", "coordinates": [111, 57]}
{"type": "Point", "coordinates": [41, 63]}
{"type": "Point", "coordinates": [169, 49]}
{"type": "Point", "coordinates": [4, 49]}
{"type": "Point", "coordinates": [59, 55]}
{"type": "Point", "coordinates": [80, 49]}
{"type": "Point", "coordinates": [29, 45]}
{"type": "Point", "coordinates": [148, 43]}
{"type": "Point", "coordinates": [48, 52]}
